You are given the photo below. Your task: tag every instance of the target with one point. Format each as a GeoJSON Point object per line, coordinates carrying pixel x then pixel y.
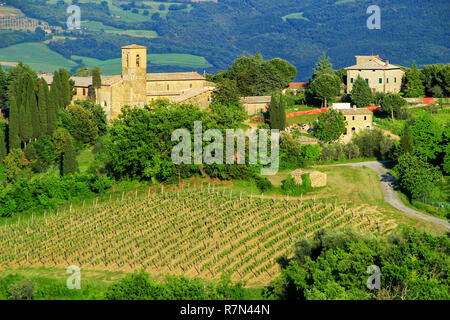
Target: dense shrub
{"type": "Point", "coordinates": [290, 188]}
{"type": "Point", "coordinates": [49, 192]}
{"type": "Point", "coordinates": [263, 183]}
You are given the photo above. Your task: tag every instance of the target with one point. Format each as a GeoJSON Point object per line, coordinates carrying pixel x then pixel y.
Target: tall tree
{"type": "Point", "coordinates": [66, 87]}
{"type": "Point", "coordinates": [227, 92]}
{"type": "Point", "coordinates": [427, 137]}
{"type": "Point", "coordinates": [405, 141]}
{"type": "Point", "coordinates": [325, 87]}
{"type": "Point", "coordinates": [361, 94]}
{"type": "Point", "coordinates": [3, 88]}
{"type": "Point", "coordinates": [26, 110]}
{"type": "Point", "coordinates": [52, 111]}
{"type": "Point", "coordinates": [96, 78]}
{"type": "Point", "coordinates": [43, 95]}
{"type": "Point", "coordinates": [14, 124]}
{"type": "Point", "coordinates": [414, 82]}
{"type": "Point", "coordinates": [323, 66]}
{"type": "Point", "coordinates": [3, 149]}
{"type": "Point", "coordinates": [56, 91]}
{"type": "Point", "coordinates": [69, 162]}
{"type": "Point", "coordinates": [277, 110]}
{"type": "Point", "coordinates": [33, 108]}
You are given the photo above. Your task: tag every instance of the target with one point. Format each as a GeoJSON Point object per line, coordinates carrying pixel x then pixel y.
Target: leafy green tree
{"type": "Point", "coordinates": [97, 78]}
{"type": "Point", "coordinates": [56, 91]}
{"type": "Point", "coordinates": [229, 116]}
{"type": "Point", "coordinates": [59, 139]}
{"type": "Point", "coordinates": [323, 66]}
{"type": "Point", "coordinates": [14, 164]}
{"type": "Point", "coordinates": [83, 72]}
{"type": "Point", "coordinates": [330, 126]}
{"type": "Point", "coordinates": [277, 111]}
{"type": "Point", "coordinates": [361, 93]}
{"type": "Point", "coordinates": [98, 114]}
{"type": "Point", "coordinates": [69, 163]}
{"type": "Point", "coordinates": [84, 128]}
{"type": "Point", "coordinates": [426, 136]}
{"type": "Point", "coordinates": [446, 164]}
{"type": "Point", "coordinates": [227, 92]}
{"type": "Point", "coordinates": [392, 104]}
{"type": "Point", "coordinates": [416, 176]}
{"type": "Point", "coordinates": [414, 82]}
{"type": "Point", "coordinates": [325, 87]}
{"type": "Point", "coordinates": [3, 88]}
{"type": "Point", "coordinates": [66, 87]}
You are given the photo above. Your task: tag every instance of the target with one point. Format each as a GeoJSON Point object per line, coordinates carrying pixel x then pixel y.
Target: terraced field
{"type": "Point", "coordinates": [202, 231]}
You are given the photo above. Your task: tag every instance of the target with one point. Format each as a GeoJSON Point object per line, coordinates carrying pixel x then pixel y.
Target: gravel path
{"type": "Point", "coordinates": [390, 194]}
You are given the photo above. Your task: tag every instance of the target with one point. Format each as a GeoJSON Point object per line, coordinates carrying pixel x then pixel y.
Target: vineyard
{"type": "Point", "coordinates": [195, 231]}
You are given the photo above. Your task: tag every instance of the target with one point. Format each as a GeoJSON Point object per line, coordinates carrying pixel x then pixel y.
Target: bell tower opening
{"type": "Point", "coordinates": [134, 61]}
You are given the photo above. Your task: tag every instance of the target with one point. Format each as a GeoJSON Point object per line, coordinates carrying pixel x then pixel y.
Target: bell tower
{"type": "Point", "coordinates": [134, 75]}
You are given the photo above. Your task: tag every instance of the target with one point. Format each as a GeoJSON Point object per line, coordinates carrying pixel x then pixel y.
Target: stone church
{"type": "Point", "coordinates": [136, 87]}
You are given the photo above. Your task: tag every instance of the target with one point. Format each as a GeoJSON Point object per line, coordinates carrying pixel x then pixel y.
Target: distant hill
{"type": "Point", "coordinates": [295, 30]}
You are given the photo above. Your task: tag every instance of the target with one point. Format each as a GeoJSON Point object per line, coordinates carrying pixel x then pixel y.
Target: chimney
{"type": "Point", "coordinates": [354, 107]}
{"type": "Point", "coordinates": [387, 63]}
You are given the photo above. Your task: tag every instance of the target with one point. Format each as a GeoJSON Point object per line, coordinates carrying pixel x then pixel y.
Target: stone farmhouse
{"type": "Point", "coordinates": [136, 87]}
{"type": "Point", "coordinates": [381, 76]}
{"type": "Point", "coordinates": [256, 105]}
{"type": "Point", "coordinates": [357, 119]}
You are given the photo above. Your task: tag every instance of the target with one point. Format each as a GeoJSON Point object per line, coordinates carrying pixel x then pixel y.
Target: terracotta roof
{"type": "Point", "coordinates": [83, 82]}
{"type": "Point", "coordinates": [134, 46]}
{"type": "Point", "coordinates": [358, 111]}
{"type": "Point", "coordinates": [110, 80]}
{"type": "Point", "coordinates": [297, 85]}
{"type": "Point", "coordinates": [258, 99]}
{"type": "Point", "coordinates": [374, 64]}
{"type": "Point", "coordinates": [190, 94]}
{"type": "Point", "coordinates": [174, 76]}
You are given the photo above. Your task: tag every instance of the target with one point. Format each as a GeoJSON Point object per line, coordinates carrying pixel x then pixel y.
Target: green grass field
{"type": "Point", "coordinates": [295, 15]}
{"type": "Point", "coordinates": [98, 26]}
{"type": "Point", "coordinates": [37, 55]}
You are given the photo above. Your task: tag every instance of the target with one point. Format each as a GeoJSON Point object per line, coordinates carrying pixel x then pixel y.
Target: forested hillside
{"type": "Point", "coordinates": [295, 30]}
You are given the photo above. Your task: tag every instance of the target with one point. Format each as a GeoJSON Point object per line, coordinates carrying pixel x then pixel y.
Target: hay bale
{"type": "Point", "coordinates": [318, 179]}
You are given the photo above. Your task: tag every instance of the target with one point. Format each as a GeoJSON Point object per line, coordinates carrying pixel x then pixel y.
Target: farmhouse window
{"type": "Point", "coordinates": [353, 130]}
{"type": "Point", "coordinates": [351, 80]}
{"type": "Point", "coordinates": [168, 87]}
{"type": "Point", "coordinates": [395, 80]}
{"type": "Point", "coordinates": [387, 80]}
{"type": "Point", "coordinates": [367, 81]}
{"type": "Point", "coordinates": [353, 118]}
{"type": "Point", "coordinates": [138, 60]}
{"type": "Point", "coordinates": [84, 91]}
{"type": "Point", "coordinates": [365, 117]}
{"type": "Point", "coordinates": [380, 80]}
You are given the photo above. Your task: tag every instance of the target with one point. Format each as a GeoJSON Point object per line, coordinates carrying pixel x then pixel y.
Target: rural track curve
{"type": "Point", "coordinates": [390, 194]}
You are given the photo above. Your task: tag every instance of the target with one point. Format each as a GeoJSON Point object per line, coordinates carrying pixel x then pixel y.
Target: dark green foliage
{"type": "Point", "coordinates": [323, 66]}
{"type": "Point", "coordinates": [49, 192]}
{"type": "Point", "coordinates": [3, 140]}
{"type": "Point", "coordinates": [52, 111]}
{"type": "Point", "coordinates": [69, 163]}
{"type": "Point", "coordinates": [325, 87]}
{"type": "Point", "coordinates": [96, 78]}
{"type": "Point", "coordinates": [392, 104]}
{"type": "Point", "coordinates": [405, 141]}
{"type": "Point", "coordinates": [23, 290]}
{"type": "Point", "coordinates": [333, 265]}
{"type": "Point", "coordinates": [361, 94]}
{"type": "Point", "coordinates": [14, 124]}
{"type": "Point", "coordinates": [15, 165]}
{"type": "Point", "coordinates": [227, 92]}
{"type": "Point", "coordinates": [374, 143]}
{"type": "Point", "coordinates": [139, 286]}
{"type": "Point", "coordinates": [228, 116]}
{"type": "Point", "coordinates": [414, 79]}
{"type": "Point", "coordinates": [3, 88]}
{"type": "Point", "coordinates": [291, 156]}
{"type": "Point", "coordinates": [97, 114]}
{"type": "Point", "coordinates": [330, 126]}
{"type": "Point", "coordinates": [45, 153]}
{"type": "Point", "coordinates": [84, 128]}
{"type": "Point", "coordinates": [290, 188]}
{"type": "Point", "coordinates": [262, 183]}
{"type": "Point", "coordinates": [417, 177]}
{"type": "Point", "coordinates": [446, 163]}
{"type": "Point", "coordinates": [277, 111]}
{"type": "Point", "coordinates": [43, 104]}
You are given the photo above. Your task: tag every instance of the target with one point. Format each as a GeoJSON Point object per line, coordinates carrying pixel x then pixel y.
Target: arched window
{"type": "Point", "coordinates": [137, 60]}
{"type": "Point", "coordinates": [168, 87]}
{"type": "Point", "coordinates": [128, 60]}
{"type": "Point", "coordinates": [353, 130]}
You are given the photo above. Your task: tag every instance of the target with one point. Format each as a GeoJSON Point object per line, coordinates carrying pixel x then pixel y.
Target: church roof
{"type": "Point", "coordinates": [174, 76]}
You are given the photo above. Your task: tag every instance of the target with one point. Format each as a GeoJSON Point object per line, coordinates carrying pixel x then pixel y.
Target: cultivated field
{"type": "Point", "coordinates": [195, 231]}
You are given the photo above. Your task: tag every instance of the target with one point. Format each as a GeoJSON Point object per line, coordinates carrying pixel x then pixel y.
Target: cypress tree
{"type": "Point", "coordinates": [25, 111]}
{"type": "Point", "coordinates": [3, 149]}
{"type": "Point", "coordinates": [69, 163]}
{"type": "Point", "coordinates": [3, 88]}
{"type": "Point", "coordinates": [14, 124]}
{"type": "Point", "coordinates": [56, 91]}
{"type": "Point", "coordinates": [34, 113]}
{"type": "Point", "coordinates": [43, 95]}
{"type": "Point", "coordinates": [96, 78]}
{"type": "Point", "coordinates": [274, 112]}
{"type": "Point", "coordinates": [405, 141]}
{"type": "Point", "coordinates": [52, 112]}
{"type": "Point", "coordinates": [66, 88]}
